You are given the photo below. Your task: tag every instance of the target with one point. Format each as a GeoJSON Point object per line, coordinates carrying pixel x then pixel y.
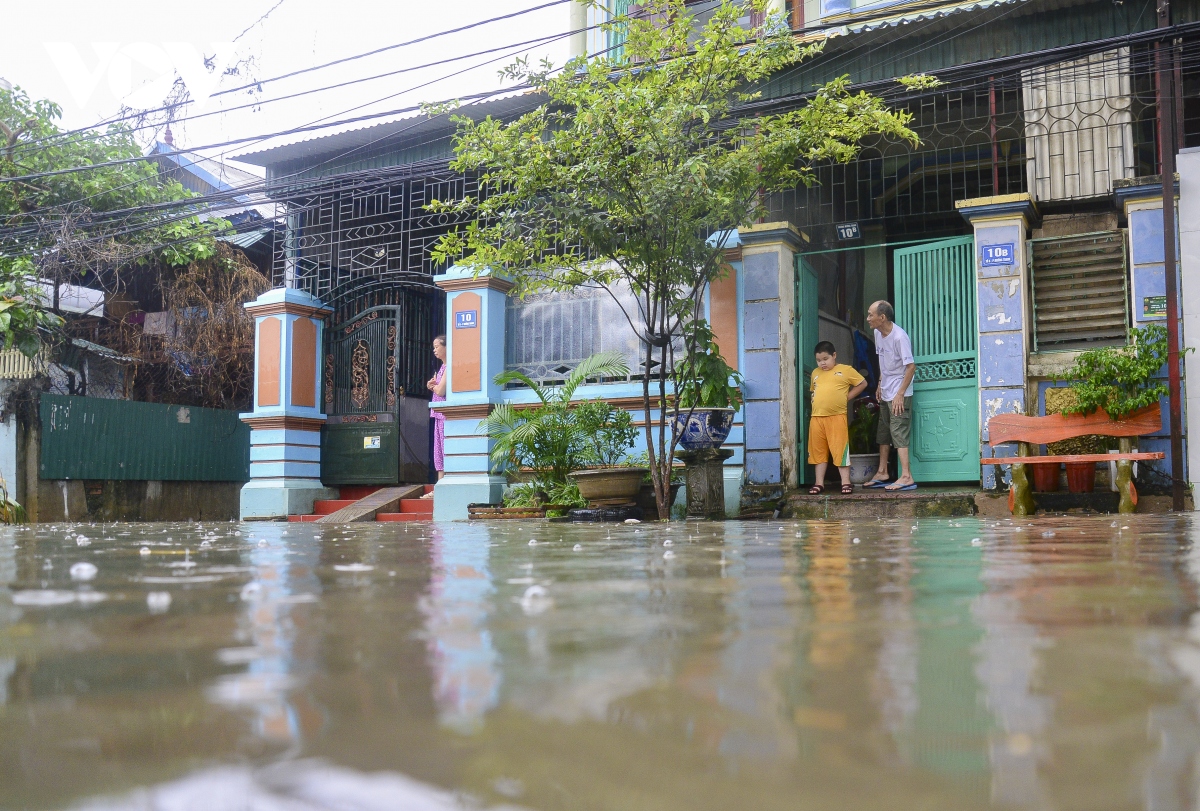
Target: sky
{"type": "Point", "coordinates": [90, 57]}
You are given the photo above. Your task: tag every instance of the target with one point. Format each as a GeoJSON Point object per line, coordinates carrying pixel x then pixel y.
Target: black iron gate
{"type": "Point", "coordinates": [376, 365]}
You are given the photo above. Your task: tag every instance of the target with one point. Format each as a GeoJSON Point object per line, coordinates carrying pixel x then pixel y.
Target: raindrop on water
{"type": "Point", "coordinates": [668, 555]}
{"type": "Point", "coordinates": [145, 550]}
{"type": "Point", "coordinates": [158, 601]}
{"type": "Point", "coordinates": [577, 547]}
{"type": "Point", "coordinates": [83, 571]}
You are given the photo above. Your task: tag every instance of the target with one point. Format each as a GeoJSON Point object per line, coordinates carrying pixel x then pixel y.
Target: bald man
{"type": "Point", "coordinates": [896, 371]}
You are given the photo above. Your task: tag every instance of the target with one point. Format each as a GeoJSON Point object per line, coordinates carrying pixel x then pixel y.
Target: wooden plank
{"type": "Point", "coordinates": [383, 500]}
{"type": "Point", "coordinates": [1040, 430]}
{"type": "Point", "coordinates": [1073, 457]}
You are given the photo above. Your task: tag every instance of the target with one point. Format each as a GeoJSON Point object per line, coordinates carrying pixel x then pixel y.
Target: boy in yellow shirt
{"type": "Point", "coordinates": [833, 386]}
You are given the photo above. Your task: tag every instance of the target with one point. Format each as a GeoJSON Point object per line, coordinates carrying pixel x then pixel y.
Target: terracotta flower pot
{"type": "Point", "coordinates": [1045, 478]}
{"type": "Point", "coordinates": [1081, 477]}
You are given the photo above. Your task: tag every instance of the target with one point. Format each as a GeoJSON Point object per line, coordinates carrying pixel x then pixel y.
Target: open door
{"type": "Point", "coordinates": [806, 338]}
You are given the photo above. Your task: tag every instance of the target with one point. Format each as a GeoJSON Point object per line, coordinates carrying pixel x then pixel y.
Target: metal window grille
{"type": "Point", "coordinates": [549, 334]}
{"type": "Point", "coordinates": [1080, 291]}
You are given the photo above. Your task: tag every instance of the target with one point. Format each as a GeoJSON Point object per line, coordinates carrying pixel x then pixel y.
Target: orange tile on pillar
{"type": "Point", "coordinates": [723, 315]}
{"type": "Point", "coordinates": [465, 343]}
{"type": "Point", "coordinates": [268, 362]}
{"type": "Point", "coordinates": [304, 363]}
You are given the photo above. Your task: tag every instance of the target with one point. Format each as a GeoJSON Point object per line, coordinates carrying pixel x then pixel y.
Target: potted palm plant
{"type": "Point", "coordinates": [554, 438]}
{"type": "Point", "coordinates": [709, 393]}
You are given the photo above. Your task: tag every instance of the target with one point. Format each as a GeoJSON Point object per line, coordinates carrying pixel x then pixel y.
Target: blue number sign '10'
{"type": "Point", "coordinates": [466, 319]}
{"type": "Point", "coordinates": [1005, 254]}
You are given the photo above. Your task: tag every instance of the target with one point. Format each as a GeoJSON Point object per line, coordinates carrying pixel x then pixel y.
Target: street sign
{"type": "Point", "coordinates": [848, 230]}
{"type": "Point", "coordinates": [466, 319]}
{"type": "Point", "coordinates": [999, 255]}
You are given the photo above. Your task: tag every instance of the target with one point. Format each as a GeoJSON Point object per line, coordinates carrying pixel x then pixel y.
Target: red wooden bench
{"type": "Point", "coordinates": [1029, 431]}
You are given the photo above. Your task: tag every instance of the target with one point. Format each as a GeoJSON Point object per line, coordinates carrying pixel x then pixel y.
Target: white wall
{"type": "Point", "coordinates": [1189, 298]}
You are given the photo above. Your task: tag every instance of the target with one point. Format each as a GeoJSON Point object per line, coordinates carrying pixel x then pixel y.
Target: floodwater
{"type": "Point", "coordinates": [937, 664]}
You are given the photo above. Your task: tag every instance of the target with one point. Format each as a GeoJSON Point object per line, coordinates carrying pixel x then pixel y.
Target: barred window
{"type": "Point", "coordinates": [1080, 291]}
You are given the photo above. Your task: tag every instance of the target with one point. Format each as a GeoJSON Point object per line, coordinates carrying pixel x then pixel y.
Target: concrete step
{"type": "Point", "coordinates": [325, 506]}
{"type": "Point", "coordinates": [924, 502]}
{"type": "Point", "coordinates": [391, 517]}
{"type": "Point", "coordinates": [419, 506]}
{"type": "Point", "coordinates": [353, 492]}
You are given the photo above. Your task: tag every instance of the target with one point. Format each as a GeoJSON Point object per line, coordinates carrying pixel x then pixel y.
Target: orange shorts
{"type": "Point", "coordinates": [829, 437]}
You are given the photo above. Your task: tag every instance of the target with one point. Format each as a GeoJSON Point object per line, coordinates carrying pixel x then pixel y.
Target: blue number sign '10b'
{"type": "Point", "coordinates": [848, 230]}
{"type": "Point", "coordinates": [999, 255]}
{"type": "Point", "coordinates": [466, 319]}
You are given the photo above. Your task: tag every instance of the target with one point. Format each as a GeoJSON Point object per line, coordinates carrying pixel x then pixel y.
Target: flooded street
{"type": "Point", "coordinates": [937, 664]}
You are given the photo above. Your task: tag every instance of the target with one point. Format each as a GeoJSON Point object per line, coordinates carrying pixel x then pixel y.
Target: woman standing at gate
{"type": "Point", "coordinates": [437, 385]}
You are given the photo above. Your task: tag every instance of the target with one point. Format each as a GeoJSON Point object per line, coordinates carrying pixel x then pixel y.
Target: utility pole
{"type": "Point", "coordinates": [1166, 139]}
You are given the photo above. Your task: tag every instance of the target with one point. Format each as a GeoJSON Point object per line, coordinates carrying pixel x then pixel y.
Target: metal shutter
{"type": "Point", "coordinates": [1080, 291]}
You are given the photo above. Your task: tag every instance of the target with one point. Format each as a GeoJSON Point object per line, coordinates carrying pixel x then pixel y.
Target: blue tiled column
{"type": "Point", "coordinates": [468, 478]}
{"type": "Point", "coordinates": [285, 425]}
{"type": "Point", "coordinates": [1002, 282]}
{"type": "Point", "coordinates": [769, 353]}
{"type": "Point", "coordinates": [1141, 202]}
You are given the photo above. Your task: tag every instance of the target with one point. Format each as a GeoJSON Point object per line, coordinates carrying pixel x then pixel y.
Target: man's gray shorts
{"type": "Point", "coordinates": [894, 429]}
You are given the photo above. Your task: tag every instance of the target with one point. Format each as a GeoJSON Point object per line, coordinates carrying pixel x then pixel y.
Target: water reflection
{"type": "Point", "coordinates": [456, 606]}
{"type": "Point", "coordinates": [943, 664]}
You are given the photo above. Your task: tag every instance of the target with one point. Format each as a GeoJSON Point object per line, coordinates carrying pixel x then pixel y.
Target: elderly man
{"type": "Point", "coordinates": [896, 370]}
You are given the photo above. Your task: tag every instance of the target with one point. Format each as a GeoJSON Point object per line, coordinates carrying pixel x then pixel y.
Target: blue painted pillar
{"type": "Point", "coordinates": [1141, 203]}
{"type": "Point", "coordinates": [285, 425]}
{"type": "Point", "coordinates": [475, 311]}
{"type": "Point", "coordinates": [1002, 286]}
{"type": "Point", "coordinates": [769, 353]}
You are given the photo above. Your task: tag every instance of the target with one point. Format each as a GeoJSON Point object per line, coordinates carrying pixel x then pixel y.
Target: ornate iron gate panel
{"type": "Point", "coordinates": [936, 305]}
{"type": "Point", "coordinates": [376, 365]}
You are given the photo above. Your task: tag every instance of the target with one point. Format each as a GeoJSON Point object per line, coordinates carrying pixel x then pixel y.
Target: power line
{"type": "Point", "coordinates": [259, 83]}
{"type": "Point", "coordinates": [978, 67]}
{"type": "Point", "coordinates": [32, 146]}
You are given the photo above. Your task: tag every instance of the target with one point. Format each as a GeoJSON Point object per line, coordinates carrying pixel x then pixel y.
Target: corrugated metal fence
{"type": "Point", "coordinates": [91, 438]}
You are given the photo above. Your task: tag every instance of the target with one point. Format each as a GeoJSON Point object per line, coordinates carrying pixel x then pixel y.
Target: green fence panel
{"type": "Point", "coordinates": [91, 438]}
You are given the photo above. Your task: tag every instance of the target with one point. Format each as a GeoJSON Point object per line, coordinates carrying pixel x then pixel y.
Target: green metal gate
{"type": "Point", "coordinates": [935, 304]}
{"type": "Point", "coordinates": [806, 339]}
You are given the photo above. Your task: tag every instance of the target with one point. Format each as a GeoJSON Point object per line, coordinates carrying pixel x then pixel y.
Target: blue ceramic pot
{"type": "Point", "coordinates": [705, 428]}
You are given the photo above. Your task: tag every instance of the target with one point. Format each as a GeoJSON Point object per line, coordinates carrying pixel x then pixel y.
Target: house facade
{"type": "Point", "coordinates": [1018, 232]}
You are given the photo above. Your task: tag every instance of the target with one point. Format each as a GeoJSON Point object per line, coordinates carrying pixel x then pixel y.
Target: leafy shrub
{"type": "Point", "coordinates": [609, 432]}
{"type": "Point", "coordinates": [862, 430]}
{"type": "Point", "coordinates": [1120, 379]}
{"type": "Point", "coordinates": [704, 376]}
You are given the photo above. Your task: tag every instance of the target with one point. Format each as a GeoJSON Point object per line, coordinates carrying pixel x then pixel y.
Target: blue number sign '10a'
{"type": "Point", "coordinates": [999, 255]}
{"type": "Point", "coordinates": [466, 319]}
{"type": "Point", "coordinates": [848, 230]}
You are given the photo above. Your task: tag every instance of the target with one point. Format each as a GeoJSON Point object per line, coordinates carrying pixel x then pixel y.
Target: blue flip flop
{"type": "Point", "coordinates": [875, 485]}
{"type": "Point", "coordinates": [905, 487]}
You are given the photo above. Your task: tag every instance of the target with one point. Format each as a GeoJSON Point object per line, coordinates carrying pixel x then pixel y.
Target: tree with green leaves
{"type": "Point", "coordinates": [635, 165]}
{"type": "Point", "coordinates": [69, 227]}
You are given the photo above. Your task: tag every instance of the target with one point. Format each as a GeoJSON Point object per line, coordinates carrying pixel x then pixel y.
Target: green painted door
{"type": "Point", "coordinates": [935, 304]}
{"type": "Point", "coordinates": [806, 339]}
